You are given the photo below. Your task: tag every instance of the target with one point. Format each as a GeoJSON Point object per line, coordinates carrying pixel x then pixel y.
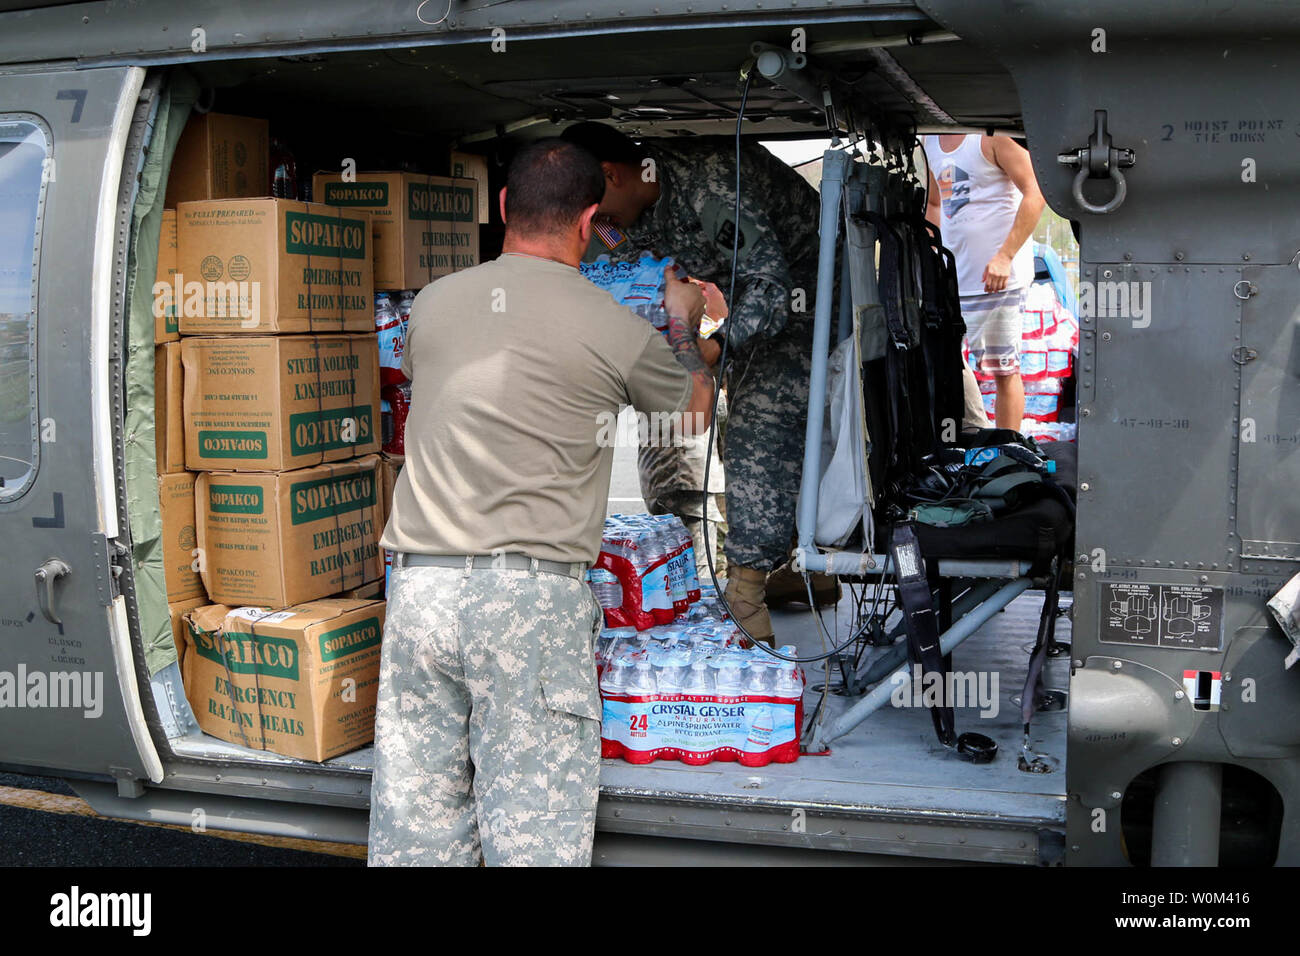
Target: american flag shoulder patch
{"type": "Point", "coordinates": [609, 233]}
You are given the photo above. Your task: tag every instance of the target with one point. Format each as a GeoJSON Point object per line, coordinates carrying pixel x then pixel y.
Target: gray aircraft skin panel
{"type": "Point", "coordinates": [1267, 516]}
{"type": "Point", "coordinates": [1153, 445]}
{"type": "Point", "coordinates": [68, 513]}
{"type": "Point", "coordinates": [1185, 526]}
{"type": "Point", "coordinates": [157, 31]}
{"type": "Point", "coordinates": [1188, 513]}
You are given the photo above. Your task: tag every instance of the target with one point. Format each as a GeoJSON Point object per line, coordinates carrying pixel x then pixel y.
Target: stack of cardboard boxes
{"type": "Point", "coordinates": [272, 491]}
{"type": "Point", "coordinates": [425, 227]}
{"type": "Point", "coordinates": [267, 425]}
{"type": "Point", "coordinates": [175, 484]}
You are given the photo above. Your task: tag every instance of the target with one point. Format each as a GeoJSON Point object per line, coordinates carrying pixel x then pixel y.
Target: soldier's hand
{"type": "Point", "coordinates": [683, 300]}
{"type": "Point", "coordinates": [715, 303]}
{"type": "Point", "coordinates": [710, 351]}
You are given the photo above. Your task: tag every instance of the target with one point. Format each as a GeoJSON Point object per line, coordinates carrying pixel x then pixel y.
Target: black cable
{"type": "Point", "coordinates": [713, 427]}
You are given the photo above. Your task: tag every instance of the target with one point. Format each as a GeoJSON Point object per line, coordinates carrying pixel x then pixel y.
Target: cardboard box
{"type": "Point", "coordinates": [425, 227]}
{"type": "Point", "coordinates": [301, 682]}
{"type": "Point", "coordinates": [475, 167]}
{"type": "Point", "coordinates": [176, 507]}
{"type": "Point", "coordinates": [259, 266]}
{"type": "Point", "coordinates": [371, 591]}
{"type": "Point", "coordinates": [169, 422]}
{"type": "Point", "coordinates": [390, 468]}
{"type": "Point", "coordinates": [281, 539]}
{"type": "Point", "coordinates": [220, 156]}
{"type": "Point", "coordinates": [177, 610]}
{"type": "Point", "coordinates": [165, 327]}
{"type": "Point", "coordinates": [271, 403]}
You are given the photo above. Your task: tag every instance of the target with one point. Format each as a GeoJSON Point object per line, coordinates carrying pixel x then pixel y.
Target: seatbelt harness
{"type": "Point", "coordinates": [920, 622]}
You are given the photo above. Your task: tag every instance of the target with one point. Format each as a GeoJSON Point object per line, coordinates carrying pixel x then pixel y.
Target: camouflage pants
{"type": "Point", "coordinates": [763, 447]}
{"type": "Point", "coordinates": [487, 733]}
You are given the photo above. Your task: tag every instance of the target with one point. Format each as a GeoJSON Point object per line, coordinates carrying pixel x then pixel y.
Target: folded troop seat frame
{"type": "Point", "coordinates": [991, 584]}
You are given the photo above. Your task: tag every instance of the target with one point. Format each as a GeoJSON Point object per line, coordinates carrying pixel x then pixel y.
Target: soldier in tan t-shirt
{"type": "Point", "coordinates": [487, 731]}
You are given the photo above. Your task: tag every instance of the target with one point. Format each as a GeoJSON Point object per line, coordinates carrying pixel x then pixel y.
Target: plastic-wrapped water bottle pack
{"type": "Point", "coordinates": [645, 573]}
{"type": "Point", "coordinates": [638, 285]}
{"type": "Point", "coordinates": [688, 691]}
{"type": "Point", "coordinates": [693, 659]}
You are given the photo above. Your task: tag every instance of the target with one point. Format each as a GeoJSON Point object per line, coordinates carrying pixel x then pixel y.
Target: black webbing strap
{"type": "Point", "coordinates": [932, 291]}
{"type": "Point", "coordinates": [901, 453]}
{"type": "Point", "coordinates": [921, 623]}
{"type": "Point", "coordinates": [1046, 640]}
{"type": "Point", "coordinates": [922, 365]}
{"type": "Point", "coordinates": [943, 328]}
{"type": "Point", "coordinates": [909, 277]}
{"type": "Point", "coordinates": [953, 331]}
{"type": "Point", "coordinates": [890, 281]}
{"type": "Point", "coordinates": [1033, 689]}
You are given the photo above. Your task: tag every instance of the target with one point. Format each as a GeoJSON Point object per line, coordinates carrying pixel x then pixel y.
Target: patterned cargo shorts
{"type": "Point", "coordinates": [993, 329]}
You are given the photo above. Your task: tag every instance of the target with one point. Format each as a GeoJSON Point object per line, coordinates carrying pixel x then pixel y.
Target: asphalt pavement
{"type": "Point", "coordinates": [62, 834]}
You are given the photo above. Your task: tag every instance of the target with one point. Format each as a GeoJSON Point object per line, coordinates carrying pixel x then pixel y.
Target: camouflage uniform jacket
{"type": "Point", "coordinates": [694, 221]}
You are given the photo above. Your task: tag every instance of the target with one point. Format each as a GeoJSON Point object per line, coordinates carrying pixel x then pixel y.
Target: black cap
{"type": "Point", "coordinates": [607, 144]}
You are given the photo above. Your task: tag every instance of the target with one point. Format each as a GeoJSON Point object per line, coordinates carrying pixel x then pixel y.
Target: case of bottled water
{"type": "Point", "coordinates": [645, 573]}
{"type": "Point", "coordinates": [688, 691]}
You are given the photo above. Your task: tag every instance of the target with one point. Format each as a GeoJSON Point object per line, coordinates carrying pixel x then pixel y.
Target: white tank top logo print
{"type": "Point", "coordinates": [978, 203]}
{"type": "Point", "coordinates": [954, 189]}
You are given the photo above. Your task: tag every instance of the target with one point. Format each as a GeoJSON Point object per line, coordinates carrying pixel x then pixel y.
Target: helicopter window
{"type": "Point", "coordinates": [24, 149]}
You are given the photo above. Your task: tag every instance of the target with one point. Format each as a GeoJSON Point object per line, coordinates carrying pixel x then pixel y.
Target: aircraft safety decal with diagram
{"type": "Point", "coordinates": [1183, 616]}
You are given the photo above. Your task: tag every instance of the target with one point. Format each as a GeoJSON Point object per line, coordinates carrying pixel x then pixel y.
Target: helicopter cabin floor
{"type": "Point", "coordinates": [889, 770]}
{"type": "Point", "coordinates": [888, 773]}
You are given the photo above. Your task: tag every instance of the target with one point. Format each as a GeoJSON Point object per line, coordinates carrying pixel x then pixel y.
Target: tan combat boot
{"type": "Point", "coordinates": [745, 596]}
{"type": "Point", "coordinates": [786, 586]}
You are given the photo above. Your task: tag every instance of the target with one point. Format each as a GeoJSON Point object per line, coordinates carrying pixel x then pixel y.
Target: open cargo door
{"type": "Point", "coordinates": [68, 690]}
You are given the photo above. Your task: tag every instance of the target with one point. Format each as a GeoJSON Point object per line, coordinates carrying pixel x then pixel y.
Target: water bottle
{"type": "Point", "coordinates": [667, 546]}
{"type": "Point", "coordinates": [673, 674]}
{"type": "Point", "coordinates": [646, 291]}
{"type": "Point", "coordinates": [728, 634]}
{"type": "Point", "coordinates": [708, 639]}
{"type": "Point", "coordinates": [613, 641]}
{"type": "Point", "coordinates": [673, 635]}
{"type": "Point", "coordinates": [788, 684]}
{"type": "Point", "coordinates": [618, 643]}
{"type": "Point", "coordinates": [698, 682]}
{"type": "Point", "coordinates": [642, 682]}
{"type": "Point", "coordinates": [284, 171]}
{"type": "Point", "coordinates": [603, 641]}
{"type": "Point", "coordinates": [404, 301]}
{"type": "Point", "coordinates": [686, 544]}
{"type": "Point", "coordinates": [615, 681]}
{"type": "Point", "coordinates": [657, 653]}
{"type": "Point", "coordinates": [756, 682]}
{"type": "Point", "coordinates": [606, 588]}
{"type": "Point", "coordinates": [648, 559]}
{"type": "Point", "coordinates": [728, 680]}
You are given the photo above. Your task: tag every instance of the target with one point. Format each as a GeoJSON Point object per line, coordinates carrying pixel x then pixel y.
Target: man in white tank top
{"type": "Point", "coordinates": [985, 200]}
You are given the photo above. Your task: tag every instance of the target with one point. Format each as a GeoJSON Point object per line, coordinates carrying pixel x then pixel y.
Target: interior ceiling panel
{"type": "Point", "coordinates": [673, 83]}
